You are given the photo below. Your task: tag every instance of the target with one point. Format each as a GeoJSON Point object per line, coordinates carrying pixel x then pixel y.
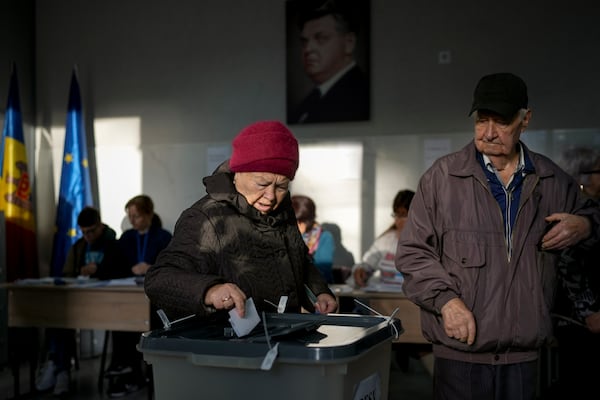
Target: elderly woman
{"type": "Point", "coordinates": [241, 240]}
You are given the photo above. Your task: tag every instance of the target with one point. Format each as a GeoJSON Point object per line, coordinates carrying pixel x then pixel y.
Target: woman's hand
{"type": "Point", "coordinates": [226, 296]}
{"type": "Point", "coordinates": [326, 304]}
{"type": "Point", "coordinates": [361, 276]}
{"type": "Point", "coordinates": [140, 268]}
{"type": "Point", "coordinates": [593, 322]}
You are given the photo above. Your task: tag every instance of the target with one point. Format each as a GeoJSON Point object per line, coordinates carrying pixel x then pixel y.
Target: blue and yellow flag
{"type": "Point", "coordinates": [15, 193]}
{"type": "Point", "coordinates": [75, 187]}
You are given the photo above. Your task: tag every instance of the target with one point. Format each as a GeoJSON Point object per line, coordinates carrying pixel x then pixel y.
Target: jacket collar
{"type": "Point", "coordinates": [466, 162]}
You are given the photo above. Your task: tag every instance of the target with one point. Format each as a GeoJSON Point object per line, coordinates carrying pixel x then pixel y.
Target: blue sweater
{"type": "Point", "coordinates": [138, 248]}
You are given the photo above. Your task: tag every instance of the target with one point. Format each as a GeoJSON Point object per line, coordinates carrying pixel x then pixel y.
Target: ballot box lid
{"type": "Point", "coordinates": [301, 337]}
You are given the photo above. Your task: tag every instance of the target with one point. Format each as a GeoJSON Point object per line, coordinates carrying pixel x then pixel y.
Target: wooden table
{"type": "Point", "coordinates": [73, 306]}
{"type": "Point", "coordinates": [385, 303]}
{"type": "Point", "coordinates": [111, 308]}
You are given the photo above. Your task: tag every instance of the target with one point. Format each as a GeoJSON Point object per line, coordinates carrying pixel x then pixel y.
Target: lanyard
{"type": "Point", "coordinates": [141, 250]}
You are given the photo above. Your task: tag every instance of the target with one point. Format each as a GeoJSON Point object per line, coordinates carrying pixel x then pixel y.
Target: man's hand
{"type": "Point", "coordinates": [569, 230]}
{"type": "Point", "coordinates": [88, 269]}
{"type": "Point", "coordinates": [459, 322]}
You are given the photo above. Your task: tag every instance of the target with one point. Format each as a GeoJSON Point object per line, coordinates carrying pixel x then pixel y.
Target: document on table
{"type": "Point", "coordinates": [80, 281]}
{"type": "Point", "coordinates": [50, 280]}
{"type": "Point", "coordinates": [129, 281]}
{"type": "Point", "coordinates": [383, 287]}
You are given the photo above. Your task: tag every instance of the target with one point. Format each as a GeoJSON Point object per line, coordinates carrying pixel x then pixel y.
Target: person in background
{"type": "Point", "coordinates": [241, 240]}
{"type": "Point", "coordinates": [380, 256]}
{"type": "Point", "coordinates": [343, 259]}
{"type": "Point", "coordinates": [577, 307]}
{"type": "Point", "coordinates": [147, 237]}
{"type": "Point", "coordinates": [95, 255]}
{"type": "Point", "coordinates": [141, 245]}
{"type": "Point", "coordinates": [328, 37]}
{"type": "Point", "coordinates": [583, 164]}
{"type": "Point", "coordinates": [319, 241]}
{"type": "Point", "coordinates": [378, 264]}
{"type": "Point", "coordinates": [477, 256]}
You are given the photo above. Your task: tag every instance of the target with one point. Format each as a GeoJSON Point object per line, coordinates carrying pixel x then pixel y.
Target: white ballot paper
{"type": "Point", "coordinates": [243, 326]}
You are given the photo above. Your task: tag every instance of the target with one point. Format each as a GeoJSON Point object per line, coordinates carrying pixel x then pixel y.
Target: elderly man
{"type": "Point", "coordinates": [479, 250]}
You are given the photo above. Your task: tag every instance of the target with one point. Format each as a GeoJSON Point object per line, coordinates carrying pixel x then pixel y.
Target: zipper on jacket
{"type": "Point", "coordinates": [524, 200]}
{"type": "Point", "coordinates": [507, 227]}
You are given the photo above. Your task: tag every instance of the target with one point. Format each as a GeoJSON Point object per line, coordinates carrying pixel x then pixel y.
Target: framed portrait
{"type": "Point", "coordinates": [327, 61]}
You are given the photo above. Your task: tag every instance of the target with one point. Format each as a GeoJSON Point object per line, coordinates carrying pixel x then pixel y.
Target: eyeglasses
{"type": "Point", "coordinates": [87, 231]}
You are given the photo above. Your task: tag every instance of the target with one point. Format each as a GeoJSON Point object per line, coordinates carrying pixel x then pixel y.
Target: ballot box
{"type": "Point", "coordinates": [287, 356]}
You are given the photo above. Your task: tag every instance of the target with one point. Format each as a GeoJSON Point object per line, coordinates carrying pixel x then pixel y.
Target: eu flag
{"type": "Point", "coordinates": [15, 193]}
{"type": "Point", "coordinates": [75, 187]}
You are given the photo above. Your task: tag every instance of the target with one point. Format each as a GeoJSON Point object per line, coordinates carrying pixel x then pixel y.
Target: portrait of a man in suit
{"type": "Point", "coordinates": [328, 61]}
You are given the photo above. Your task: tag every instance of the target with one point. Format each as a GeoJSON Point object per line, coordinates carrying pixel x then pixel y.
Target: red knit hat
{"type": "Point", "coordinates": [265, 146]}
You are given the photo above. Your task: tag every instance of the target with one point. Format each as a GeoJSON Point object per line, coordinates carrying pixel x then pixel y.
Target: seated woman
{"type": "Point", "coordinates": [379, 258]}
{"type": "Point", "coordinates": [321, 245]}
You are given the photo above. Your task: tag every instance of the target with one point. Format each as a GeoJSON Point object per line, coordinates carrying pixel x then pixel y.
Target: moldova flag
{"type": "Point", "coordinates": [15, 193]}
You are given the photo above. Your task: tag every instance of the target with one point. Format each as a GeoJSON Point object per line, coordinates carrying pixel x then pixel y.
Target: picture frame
{"type": "Point", "coordinates": [328, 47]}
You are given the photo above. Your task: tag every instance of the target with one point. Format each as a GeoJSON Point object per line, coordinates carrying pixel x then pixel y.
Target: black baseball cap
{"type": "Point", "coordinates": [502, 93]}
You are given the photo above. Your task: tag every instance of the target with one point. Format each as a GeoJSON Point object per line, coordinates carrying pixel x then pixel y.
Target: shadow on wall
{"type": "Point", "coordinates": [343, 260]}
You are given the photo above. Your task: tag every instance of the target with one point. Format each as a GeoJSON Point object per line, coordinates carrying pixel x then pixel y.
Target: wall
{"type": "Point", "coordinates": [162, 84]}
{"type": "Point", "coordinates": [17, 36]}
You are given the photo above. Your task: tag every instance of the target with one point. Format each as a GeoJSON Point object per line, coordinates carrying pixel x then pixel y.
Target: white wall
{"type": "Point", "coordinates": [332, 174]}
{"type": "Point", "coordinates": [193, 73]}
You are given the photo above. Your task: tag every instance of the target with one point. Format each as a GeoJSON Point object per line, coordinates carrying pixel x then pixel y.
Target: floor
{"type": "Point", "coordinates": [412, 382]}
